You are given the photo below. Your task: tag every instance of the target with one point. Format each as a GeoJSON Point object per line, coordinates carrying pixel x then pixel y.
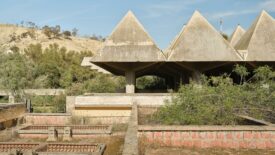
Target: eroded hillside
{"type": "Point", "coordinates": [12, 35]}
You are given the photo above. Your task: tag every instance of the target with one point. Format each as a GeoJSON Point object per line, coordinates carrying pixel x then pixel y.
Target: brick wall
{"type": "Point", "coordinates": [255, 138]}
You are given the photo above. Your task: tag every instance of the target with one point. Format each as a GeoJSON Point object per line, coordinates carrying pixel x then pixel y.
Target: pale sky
{"type": "Point", "coordinates": [163, 19]}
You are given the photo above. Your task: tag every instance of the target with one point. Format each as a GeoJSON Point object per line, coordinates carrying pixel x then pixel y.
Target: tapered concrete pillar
{"type": "Point", "coordinates": [130, 82]}
{"type": "Point", "coordinates": [196, 77]}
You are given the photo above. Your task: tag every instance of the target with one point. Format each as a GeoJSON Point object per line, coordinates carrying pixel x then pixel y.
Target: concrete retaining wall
{"type": "Point", "coordinates": [249, 137]}
{"type": "Point", "coordinates": [122, 99]}
{"type": "Point", "coordinates": [63, 119]}
{"type": "Point", "coordinates": [11, 111]}
{"type": "Point", "coordinates": [36, 92]}
{"type": "Point", "coordinates": [47, 119]}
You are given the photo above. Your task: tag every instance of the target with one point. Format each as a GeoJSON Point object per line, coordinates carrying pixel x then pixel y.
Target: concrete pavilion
{"type": "Point", "coordinates": [129, 50]}
{"type": "Point", "coordinates": [198, 49]}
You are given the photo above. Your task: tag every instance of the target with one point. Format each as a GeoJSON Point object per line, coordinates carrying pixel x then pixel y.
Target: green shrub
{"type": "Point", "coordinates": [150, 82]}
{"type": "Point", "coordinates": [49, 104]}
{"type": "Point", "coordinates": [217, 101]}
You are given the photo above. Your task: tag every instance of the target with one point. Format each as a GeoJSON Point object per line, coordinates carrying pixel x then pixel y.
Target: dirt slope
{"type": "Point", "coordinates": [12, 35]}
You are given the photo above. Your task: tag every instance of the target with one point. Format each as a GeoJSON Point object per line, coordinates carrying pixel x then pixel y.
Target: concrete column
{"type": "Point", "coordinates": [11, 99]}
{"type": "Point", "coordinates": [130, 81]}
{"type": "Point", "coordinates": [196, 77]}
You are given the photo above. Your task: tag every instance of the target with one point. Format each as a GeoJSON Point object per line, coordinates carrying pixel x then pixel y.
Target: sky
{"type": "Point", "coordinates": [163, 19]}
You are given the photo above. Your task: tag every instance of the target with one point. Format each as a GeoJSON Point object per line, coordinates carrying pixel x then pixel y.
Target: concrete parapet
{"type": "Point", "coordinates": [122, 99]}
{"type": "Point", "coordinates": [131, 139]}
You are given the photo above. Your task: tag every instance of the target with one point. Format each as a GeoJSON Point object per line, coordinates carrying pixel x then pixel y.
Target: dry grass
{"type": "Point", "coordinates": [74, 43]}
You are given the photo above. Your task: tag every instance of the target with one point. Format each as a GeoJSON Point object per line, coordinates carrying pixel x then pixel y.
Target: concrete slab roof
{"type": "Point", "coordinates": [200, 41]}
{"type": "Point", "coordinates": [236, 35]}
{"type": "Point", "coordinates": [259, 41]}
{"type": "Point", "coordinates": [86, 62]}
{"type": "Point", "coordinates": [129, 42]}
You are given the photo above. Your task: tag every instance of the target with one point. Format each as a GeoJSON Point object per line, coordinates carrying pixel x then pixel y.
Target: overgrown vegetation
{"type": "Point", "coordinates": [150, 82]}
{"type": "Point", "coordinates": [4, 99]}
{"type": "Point", "coordinates": [53, 67]}
{"type": "Point", "coordinates": [50, 104]}
{"type": "Point", "coordinates": [217, 101]}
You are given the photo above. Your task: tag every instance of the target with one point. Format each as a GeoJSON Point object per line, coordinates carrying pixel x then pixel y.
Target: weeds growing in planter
{"type": "Point", "coordinates": [217, 100]}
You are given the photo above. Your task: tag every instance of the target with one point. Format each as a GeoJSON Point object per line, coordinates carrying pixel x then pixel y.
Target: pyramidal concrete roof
{"type": "Point", "coordinates": [236, 35]}
{"type": "Point", "coordinates": [200, 41]}
{"type": "Point", "coordinates": [86, 63]}
{"type": "Point", "coordinates": [129, 42]}
{"type": "Point", "coordinates": [259, 40]}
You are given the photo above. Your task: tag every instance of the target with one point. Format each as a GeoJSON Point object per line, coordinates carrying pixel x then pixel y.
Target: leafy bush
{"type": "Point", "coordinates": [52, 104]}
{"type": "Point", "coordinates": [53, 67]}
{"type": "Point", "coordinates": [51, 32]}
{"type": "Point", "coordinates": [217, 100]}
{"type": "Point", "coordinates": [4, 99]}
{"type": "Point", "coordinates": [150, 82]}
{"type": "Point", "coordinates": [15, 71]}
{"type": "Point", "coordinates": [100, 84]}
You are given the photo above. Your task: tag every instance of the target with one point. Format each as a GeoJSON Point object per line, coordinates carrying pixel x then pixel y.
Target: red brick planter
{"type": "Point", "coordinates": [249, 137]}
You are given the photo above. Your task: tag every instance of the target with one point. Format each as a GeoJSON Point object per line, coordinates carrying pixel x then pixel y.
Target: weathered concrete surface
{"type": "Point", "coordinates": [129, 42]}
{"type": "Point", "coordinates": [121, 99]}
{"type": "Point", "coordinates": [130, 77]}
{"type": "Point", "coordinates": [70, 101]}
{"type": "Point", "coordinates": [200, 41]}
{"type": "Point", "coordinates": [79, 117]}
{"type": "Point", "coordinates": [131, 138]}
{"type": "Point", "coordinates": [86, 62]}
{"type": "Point", "coordinates": [236, 35]}
{"type": "Point", "coordinates": [259, 40]}
{"type": "Point", "coordinates": [106, 111]}
{"type": "Point", "coordinates": [11, 111]}
{"type": "Point", "coordinates": [37, 92]}
{"type": "Point", "coordinates": [47, 118]}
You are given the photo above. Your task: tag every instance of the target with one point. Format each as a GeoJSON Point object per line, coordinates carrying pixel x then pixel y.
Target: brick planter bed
{"type": "Point", "coordinates": [7, 148]}
{"type": "Point", "coordinates": [52, 148]}
{"type": "Point", "coordinates": [71, 149]}
{"type": "Point", "coordinates": [78, 131]}
{"type": "Point", "coordinates": [248, 137]}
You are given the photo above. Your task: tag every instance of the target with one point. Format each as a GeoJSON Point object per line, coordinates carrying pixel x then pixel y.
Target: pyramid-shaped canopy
{"type": "Point", "coordinates": [199, 41]}
{"type": "Point", "coordinates": [236, 35]}
{"type": "Point", "coordinates": [259, 40]}
{"type": "Point", "coordinates": [129, 42]}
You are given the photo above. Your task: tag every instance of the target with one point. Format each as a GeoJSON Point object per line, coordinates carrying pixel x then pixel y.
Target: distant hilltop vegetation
{"type": "Point", "coordinates": [22, 36]}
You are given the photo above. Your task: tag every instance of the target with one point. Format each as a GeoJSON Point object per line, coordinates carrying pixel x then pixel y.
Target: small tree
{"type": "Point", "coordinates": [47, 31]}
{"type": "Point", "coordinates": [56, 31]}
{"type": "Point", "coordinates": [74, 31]}
{"type": "Point", "coordinates": [67, 34]}
{"type": "Point", "coordinates": [241, 71]}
